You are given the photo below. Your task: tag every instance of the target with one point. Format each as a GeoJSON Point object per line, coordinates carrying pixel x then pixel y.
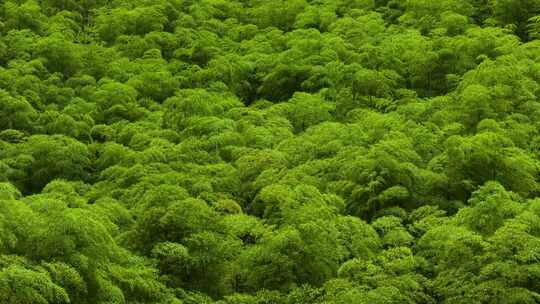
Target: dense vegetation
{"type": "Point", "coordinates": [269, 151]}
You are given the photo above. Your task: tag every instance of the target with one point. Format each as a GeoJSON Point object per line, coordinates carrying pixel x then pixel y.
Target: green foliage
{"type": "Point", "coordinates": [515, 13]}
{"type": "Point", "coordinates": [259, 151]}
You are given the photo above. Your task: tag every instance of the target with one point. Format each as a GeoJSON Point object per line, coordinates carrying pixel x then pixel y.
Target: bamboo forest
{"type": "Point", "coordinates": [269, 151]}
